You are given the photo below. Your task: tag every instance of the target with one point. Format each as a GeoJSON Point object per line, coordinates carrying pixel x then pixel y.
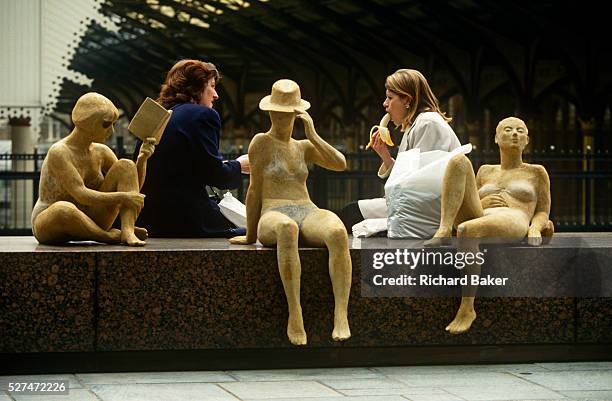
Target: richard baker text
{"type": "Point", "coordinates": [439, 280]}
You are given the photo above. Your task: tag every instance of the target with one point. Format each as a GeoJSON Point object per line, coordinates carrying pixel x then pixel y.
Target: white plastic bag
{"type": "Point", "coordinates": [413, 192]}
{"type": "Point", "coordinates": [369, 227]}
{"type": "Point", "coordinates": [233, 209]}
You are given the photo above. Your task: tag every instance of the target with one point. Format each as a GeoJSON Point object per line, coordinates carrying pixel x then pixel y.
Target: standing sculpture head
{"type": "Point", "coordinates": [190, 81]}
{"type": "Point", "coordinates": [285, 97]}
{"type": "Point", "coordinates": [511, 134]}
{"type": "Point", "coordinates": [95, 114]}
{"type": "Point", "coordinates": [414, 96]}
{"type": "Point", "coordinates": [284, 100]}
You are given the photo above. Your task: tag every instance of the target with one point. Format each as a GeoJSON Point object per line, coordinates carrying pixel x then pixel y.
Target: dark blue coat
{"type": "Point", "coordinates": [185, 161]}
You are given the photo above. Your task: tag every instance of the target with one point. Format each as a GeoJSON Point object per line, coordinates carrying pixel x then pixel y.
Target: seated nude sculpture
{"type": "Point", "coordinates": [83, 187]}
{"type": "Point", "coordinates": [508, 200]}
{"type": "Point", "coordinates": [280, 212]}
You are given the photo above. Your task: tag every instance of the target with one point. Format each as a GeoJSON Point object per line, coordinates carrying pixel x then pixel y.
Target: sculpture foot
{"type": "Point", "coordinates": [547, 232]}
{"type": "Point", "coordinates": [442, 237]}
{"type": "Point", "coordinates": [295, 331]}
{"type": "Point", "coordinates": [114, 236]}
{"type": "Point", "coordinates": [141, 233]}
{"type": "Point", "coordinates": [131, 240]}
{"type": "Point", "coordinates": [297, 338]}
{"type": "Point", "coordinates": [462, 322]}
{"type": "Point", "coordinates": [341, 329]}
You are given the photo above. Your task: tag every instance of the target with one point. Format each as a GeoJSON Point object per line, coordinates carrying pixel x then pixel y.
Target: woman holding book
{"type": "Point", "coordinates": [187, 159]}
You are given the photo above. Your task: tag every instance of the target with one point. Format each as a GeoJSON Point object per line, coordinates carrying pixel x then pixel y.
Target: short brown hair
{"type": "Point", "coordinates": [93, 111]}
{"type": "Point", "coordinates": [407, 82]}
{"type": "Point", "coordinates": [186, 81]}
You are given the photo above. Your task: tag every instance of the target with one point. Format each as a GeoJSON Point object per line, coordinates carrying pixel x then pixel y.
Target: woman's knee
{"type": "Point", "coordinates": [469, 230]}
{"type": "Point", "coordinates": [126, 166]}
{"type": "Point", "coordinates": [459, 162]}
{"type": "Point", "coordinates": [336, 235]}
{"type": "Point", "coordinates": [277, 229]}
{"type": "Point", "coordinates": [287, 230]}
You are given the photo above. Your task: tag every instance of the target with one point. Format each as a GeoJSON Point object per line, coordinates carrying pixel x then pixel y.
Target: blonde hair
{"type": "Point", "coordinates": [407, 82]}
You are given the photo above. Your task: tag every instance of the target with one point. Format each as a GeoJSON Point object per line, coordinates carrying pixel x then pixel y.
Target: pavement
{"type": "Point", "coordinates": [538, 381]}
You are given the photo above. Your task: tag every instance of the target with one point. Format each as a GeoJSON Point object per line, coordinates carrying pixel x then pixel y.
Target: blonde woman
{"type": "Point", "coordinates": [412, 105]}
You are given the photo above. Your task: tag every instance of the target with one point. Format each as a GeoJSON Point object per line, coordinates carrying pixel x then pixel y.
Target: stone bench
{"type": "Point", "coordinates": [202, 303]}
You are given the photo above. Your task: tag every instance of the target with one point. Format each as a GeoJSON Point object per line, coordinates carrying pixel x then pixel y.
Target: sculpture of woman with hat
{"type": "Point", "coordinates": [279, 209]}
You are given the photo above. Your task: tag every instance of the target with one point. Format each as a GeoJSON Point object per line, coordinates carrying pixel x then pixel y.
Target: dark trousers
{"type": "Point", "coordinates": [350, 215]}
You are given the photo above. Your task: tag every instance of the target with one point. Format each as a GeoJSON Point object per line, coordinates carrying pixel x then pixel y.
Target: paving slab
{"type": "Point", "coordinates": [162, 392]}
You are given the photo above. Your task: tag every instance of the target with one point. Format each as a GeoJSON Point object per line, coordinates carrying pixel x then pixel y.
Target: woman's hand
{"type": "Point", "coordinates": [240, 240]}
{"type": "Point", "coordinates": [245, 165]}
{"type": "Point", "coordinates": [380, 147]}
{"type": "Point", "coordinates": [147, 148]}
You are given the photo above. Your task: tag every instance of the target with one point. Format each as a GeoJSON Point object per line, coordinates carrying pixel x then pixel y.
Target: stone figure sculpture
{"type": "Point", "coordinates": [279, 209]}
{"type": "Point", "coordinates": [509, 200]}
{"type": "Point", "coordinates": [83, 187]}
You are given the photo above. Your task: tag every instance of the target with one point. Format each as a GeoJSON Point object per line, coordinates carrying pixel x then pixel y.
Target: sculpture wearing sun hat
{"type": "Point", "coordinates": [279, 209]}
{"type": "Point", "coordinates": [285, 97]}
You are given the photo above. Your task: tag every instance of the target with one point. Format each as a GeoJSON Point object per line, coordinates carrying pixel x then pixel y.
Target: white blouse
{"type": "Point", "coordinates": [429, 131]}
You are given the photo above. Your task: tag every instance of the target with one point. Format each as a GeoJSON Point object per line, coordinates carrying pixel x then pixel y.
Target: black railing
{"type": "Point", "coordinates": [581, 187]}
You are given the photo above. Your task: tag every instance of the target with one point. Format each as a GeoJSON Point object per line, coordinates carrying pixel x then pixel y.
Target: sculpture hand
{"type": "Point", "coordinates": [133, 200]}
{"type": "Point", "coordinates": [308, 123]}
{"type": "Point", "coordinates": [534, 237]}
{"type": "Point", "coordinates": [147, 148]}
{"type": "Point", "coordinates": [240, 240]}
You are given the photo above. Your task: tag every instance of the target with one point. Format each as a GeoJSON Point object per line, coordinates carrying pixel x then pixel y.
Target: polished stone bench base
{"type": "Point", "coordinates": [215, 299]}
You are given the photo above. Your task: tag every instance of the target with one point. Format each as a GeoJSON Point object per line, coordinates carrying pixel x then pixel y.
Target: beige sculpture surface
{"type": "Point", "coordinates": [83, 187]}
{"type": "Point", "coordinates": [508, 200]}
{"type": "Point", "coordinates": [279, 209]}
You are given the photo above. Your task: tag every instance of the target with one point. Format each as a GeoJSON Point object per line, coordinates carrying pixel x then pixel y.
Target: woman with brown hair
{"type": "Point", "coordinates": [411, 105]}
{"type": "Point", "coordinates": [187, 159]}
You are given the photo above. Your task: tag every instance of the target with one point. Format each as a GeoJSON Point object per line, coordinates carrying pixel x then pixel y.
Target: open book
{"type": "Point", "coordinates": [150, 120]}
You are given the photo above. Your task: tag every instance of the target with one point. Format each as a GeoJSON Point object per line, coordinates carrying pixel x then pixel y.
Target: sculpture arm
{"type": "Point", "coordinates": [542, 211]}
{"type": "Point", "coordinates": [146, 150]}
{"type": "Point", "coordinates": [254, 192]}
{"type": "Point", "coordinates": [481, 172]}
{"type": "Point", "coordinates": [253, 208]}
{"type": "Point", "coordinates": [318, 151]}
{"type": "Point", "coordinates": [72, 182]}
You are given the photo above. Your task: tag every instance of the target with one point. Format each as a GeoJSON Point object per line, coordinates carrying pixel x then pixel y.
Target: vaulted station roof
{"type": "Point", "coordinates": [340, 52]}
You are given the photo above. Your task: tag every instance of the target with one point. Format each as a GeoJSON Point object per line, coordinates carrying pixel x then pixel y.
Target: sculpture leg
{"type": "Point", "coordinates": [466, 314]}
{"type": "Point", "coordinates": [122, 177]}
{"type": "Point", "coordinates": [63, 221]}
{"type": "Point", "coordinates": [460, 200]}
{"type": "Point", "coordinates": [324, 228]}
{"type": "Point", "coordinates": [277, 229]}
{"type": "Point", "coordinates": [510, 225]}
